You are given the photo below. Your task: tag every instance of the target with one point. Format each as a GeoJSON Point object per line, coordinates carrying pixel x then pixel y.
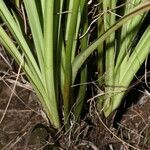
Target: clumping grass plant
{"type": "Point", "coordinates": [53, 55]}
{"type": "Point", "coordinates": [124, 51]}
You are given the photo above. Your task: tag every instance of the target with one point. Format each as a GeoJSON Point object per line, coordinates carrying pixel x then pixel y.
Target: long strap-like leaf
{"type": "Point", "coordinates": [81, 58]}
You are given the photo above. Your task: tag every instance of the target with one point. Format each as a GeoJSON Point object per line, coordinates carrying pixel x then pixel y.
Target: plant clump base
{"type": "Point", "coordinates": [24, 129]}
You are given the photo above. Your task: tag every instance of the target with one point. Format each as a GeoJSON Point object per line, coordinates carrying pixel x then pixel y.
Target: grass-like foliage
{"type": "Point", "coordinates": [124, 50]}
{"type": "Point", "coordinates": [54, 57]}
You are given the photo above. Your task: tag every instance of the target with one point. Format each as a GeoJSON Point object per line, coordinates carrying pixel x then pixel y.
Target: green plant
{"type": "Point", "coordinates": [121, 64]}
{"type": "Point", "coordinates": [48, 55]}
{"type": "Point", "coordinates": [52, 58]}
{"type": "Point", "coordinates": [123, 59]}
